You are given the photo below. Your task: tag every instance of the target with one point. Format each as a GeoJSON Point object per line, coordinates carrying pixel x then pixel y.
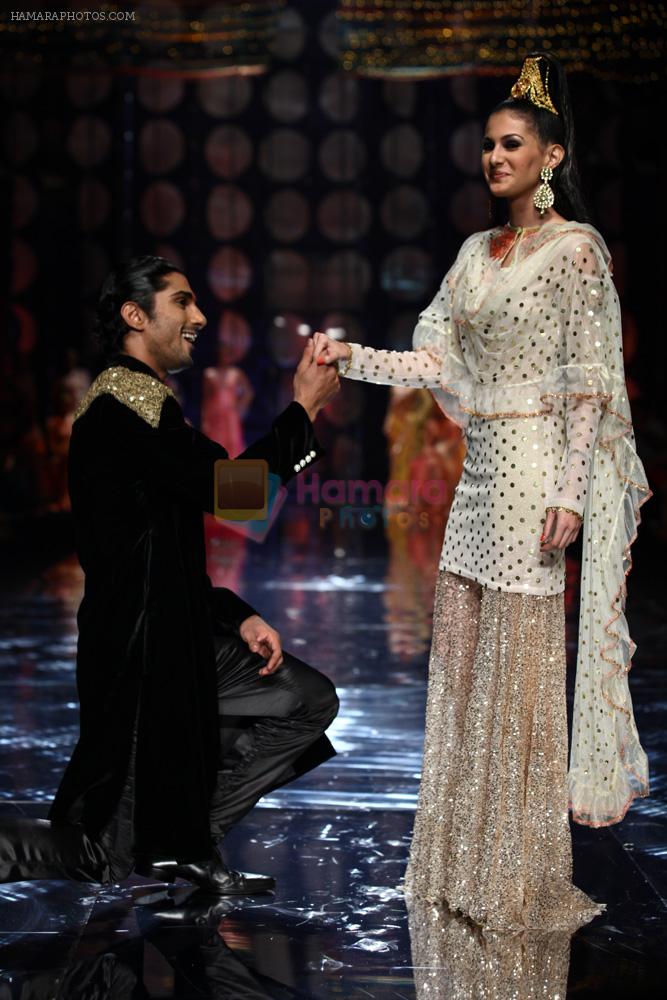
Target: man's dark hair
{"type": "Point", "coordinates": [137, 280]}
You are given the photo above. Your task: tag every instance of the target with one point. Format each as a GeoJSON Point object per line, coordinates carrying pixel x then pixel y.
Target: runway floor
{"type": "Point", "coordinates": [337, 839]}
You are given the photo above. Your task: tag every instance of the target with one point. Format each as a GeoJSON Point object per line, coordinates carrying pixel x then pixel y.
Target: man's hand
{"type": "Point", "coordinates": [262, 639]}
{"type": "Point", "coordinates": [328, 351]}
{"type": "Point", "coordinates": [314, 385]}
{"type": "Point", "coordinates": [560, 529]}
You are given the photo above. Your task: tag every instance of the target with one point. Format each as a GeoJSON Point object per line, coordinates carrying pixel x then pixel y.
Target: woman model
{"type": "Point", "coordinates": [522, 348]}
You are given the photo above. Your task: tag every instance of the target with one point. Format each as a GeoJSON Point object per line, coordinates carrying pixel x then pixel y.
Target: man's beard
{"type": "Point", "coordinates": [187, 363]}
{"type": "Point", "coordinates": [184, 361]}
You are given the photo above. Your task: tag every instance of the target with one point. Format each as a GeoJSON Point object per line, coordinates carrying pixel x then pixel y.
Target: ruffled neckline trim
{"type": "Point", "coordinates": [533, 240]}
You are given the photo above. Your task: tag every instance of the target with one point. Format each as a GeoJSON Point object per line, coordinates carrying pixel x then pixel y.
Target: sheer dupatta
{"type": "Point", "coordinates": [544, 336]}
{"type": "Point", "coordinates": [601, 475]}
{"type": "Point", "coordinates": [608, 767]}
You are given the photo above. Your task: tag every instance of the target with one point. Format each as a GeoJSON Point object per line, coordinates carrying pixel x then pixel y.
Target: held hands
{"type": "Point", "coordinates": [264, 640]}
{"type": "Point", "coordinates": [314, 385]}
{"type": "Point", "coordinates": [328, 351]}
{"type": "Point", "coordinates": [561, 527]}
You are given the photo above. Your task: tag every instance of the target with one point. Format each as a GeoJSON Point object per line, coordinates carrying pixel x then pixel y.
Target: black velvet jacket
{"type": "Point", "coordinates": [139, 479]}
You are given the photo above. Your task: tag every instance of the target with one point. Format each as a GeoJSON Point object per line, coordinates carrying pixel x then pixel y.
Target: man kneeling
{"type": "Point", "coordinates": [190, 709]}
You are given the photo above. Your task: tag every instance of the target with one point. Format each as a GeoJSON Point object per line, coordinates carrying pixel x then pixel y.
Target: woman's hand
{"type": "Point", "coordinates": [328, 351]}
{"type": "Point", "coordinates": [561, 527]}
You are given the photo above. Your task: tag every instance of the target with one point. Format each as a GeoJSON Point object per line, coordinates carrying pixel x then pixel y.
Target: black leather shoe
{"type": "Point", "coordinates": [215, 878]}
{"type": "Point", "coordinates": [212, 877]}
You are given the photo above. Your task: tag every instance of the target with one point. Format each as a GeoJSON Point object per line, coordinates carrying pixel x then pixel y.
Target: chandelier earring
{"type": "Point", "coordinates": [544, 196]}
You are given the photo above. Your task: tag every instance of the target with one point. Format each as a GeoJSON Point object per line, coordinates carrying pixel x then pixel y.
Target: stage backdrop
{"type": "Point", "coordinates": [297, 194]}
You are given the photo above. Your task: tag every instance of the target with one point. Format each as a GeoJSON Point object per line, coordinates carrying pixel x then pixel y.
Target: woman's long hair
{"type": "Point", "coordinates": [570, 202]}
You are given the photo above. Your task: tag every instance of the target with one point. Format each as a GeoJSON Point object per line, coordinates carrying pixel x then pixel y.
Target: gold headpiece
{"type": "Point", "coordinates": [530, 85]}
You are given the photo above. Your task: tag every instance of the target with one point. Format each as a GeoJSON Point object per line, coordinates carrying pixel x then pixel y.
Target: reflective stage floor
{"type": "Point", "coordinates": [337, 839]}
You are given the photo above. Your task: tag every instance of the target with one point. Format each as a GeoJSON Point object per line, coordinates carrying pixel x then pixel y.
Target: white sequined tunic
{"type": "Point", "coordinates": [493, 530]}
{"type": "Point", "coordinates": [492, 343]}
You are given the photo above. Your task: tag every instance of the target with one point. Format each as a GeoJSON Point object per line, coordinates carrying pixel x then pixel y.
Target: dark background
{"type": "Point", "coordinates": [304, 195]}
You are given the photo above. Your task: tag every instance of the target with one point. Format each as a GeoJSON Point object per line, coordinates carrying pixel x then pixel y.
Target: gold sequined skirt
{"type": "Point", "coordinates": [491, 838]}
{"type": "Point", "coordinates": [454, 959]}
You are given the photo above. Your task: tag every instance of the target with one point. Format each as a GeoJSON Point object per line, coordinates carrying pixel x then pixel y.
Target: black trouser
{"type": "Point", "coordinates": [266, 724]}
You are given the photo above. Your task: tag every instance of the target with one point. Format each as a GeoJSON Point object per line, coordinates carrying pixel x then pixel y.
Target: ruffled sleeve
{"type": "Point", "coordinates": [436, 363]}
{"type": "Point", "coordinates": [591, 358]}
{"type": "Point", "coordinates": [602, 477]}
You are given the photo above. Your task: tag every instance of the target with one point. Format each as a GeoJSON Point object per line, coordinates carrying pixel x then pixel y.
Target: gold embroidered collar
{"type": "Point", "coordinates": [142, 393]}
